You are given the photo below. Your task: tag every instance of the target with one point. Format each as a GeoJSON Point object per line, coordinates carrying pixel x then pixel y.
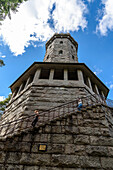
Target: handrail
{"type": "Point", "coordinates": [51, 114]}
{"type": "Point", "coordinates": [56, 107]}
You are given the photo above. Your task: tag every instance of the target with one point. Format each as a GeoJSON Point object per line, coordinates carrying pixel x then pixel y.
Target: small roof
{"type": "Point", "coordinates": [61, 35]}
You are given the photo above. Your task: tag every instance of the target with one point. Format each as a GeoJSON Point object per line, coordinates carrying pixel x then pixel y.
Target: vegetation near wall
{"type": "Point", "coordinates": [3, 104]}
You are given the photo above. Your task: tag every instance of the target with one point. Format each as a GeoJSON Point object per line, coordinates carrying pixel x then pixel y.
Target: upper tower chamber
{"type": "Point", "coordinates": [61, 48]}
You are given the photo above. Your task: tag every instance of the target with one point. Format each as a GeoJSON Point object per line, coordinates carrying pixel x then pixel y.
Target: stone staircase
{"type": "Point", "coordinates": [23, 124]}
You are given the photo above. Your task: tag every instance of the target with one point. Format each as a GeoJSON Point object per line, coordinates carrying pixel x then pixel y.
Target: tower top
{"type": "Point", "coordinates": [61, 48]}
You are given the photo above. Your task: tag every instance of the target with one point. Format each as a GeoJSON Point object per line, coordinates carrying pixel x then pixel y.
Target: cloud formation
{"type": "Point", "coordinates": [111, 86]}
{"type": "Point", "coordinates": [37, 20]}
{"type": "Point", "coordinates": [106, 22]}
{"type": "Point", "coordinates": [97, 70]}
{"type": "Point", "coordinates": [2, 56]}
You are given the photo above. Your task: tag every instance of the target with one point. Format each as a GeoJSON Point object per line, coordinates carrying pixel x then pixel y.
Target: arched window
{"type": "Point", "coordinates": [60, 52]}
{"type": "Point", "coordinates": [48, 57]}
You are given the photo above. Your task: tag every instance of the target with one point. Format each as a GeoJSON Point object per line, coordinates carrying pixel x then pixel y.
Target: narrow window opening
{"type": "Point", "coordinates": [93, 87]}
{"type": "Point", "coordinates": [44, 74]}
{"type": "Point", "coordinates": [48, 57]}
{"type": "Point", "coordinates": [16, 91]}
{"type": "Point", "coordinates": [24, 83]}
{"type": "Point", "coordinates": [60, 52]}
{"type": "Point", "coordinates": [100, 93]}
{"type": "Point", "coordinates": [85, 79]}
{"type": "Point", "coordinates": [61, 42]}
{"type": "Point", "coordinates": [73, 57]}
{"type": "Point", "coordinates": [58, 75]}
{"type": "Point", "coordinates": [31, 78]}
{"type": "Point", "coordinates": [71, 46]}
{"type": "Point", "coordinates": [72, 75]}
{"type": "Point", "coordinates": [50, 46]}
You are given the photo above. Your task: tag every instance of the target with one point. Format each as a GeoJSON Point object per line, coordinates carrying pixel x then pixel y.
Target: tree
{"type": "Point", "coordinates": [6, 6]}
{"type": "Point", "coordinates": [4, 103]}
{"type": "Point", "coordinates": [1, 63]}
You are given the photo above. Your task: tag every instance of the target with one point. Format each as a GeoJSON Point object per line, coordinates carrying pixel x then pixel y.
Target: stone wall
{"type": "Point", "coordinates": [69, 53]}
{"type": "Point", "coordinates": [38, 97]}
{"type": "Point", "coordinates": [80, 141]}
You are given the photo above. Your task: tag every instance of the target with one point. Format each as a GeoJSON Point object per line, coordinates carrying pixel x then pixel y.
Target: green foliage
{"type": "Point", "coordinates": [4, 103]}
{"type": "Point", "coordinates": [1, 63]}
{"type": "Point", "coordinates": [8, 5]}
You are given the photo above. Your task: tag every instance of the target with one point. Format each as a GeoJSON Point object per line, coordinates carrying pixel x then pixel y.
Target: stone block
{"type": "Point", "coordinates": [35, 159]}
{"type": "Point", "coordinates": [72, 169]}
{"type": "Point", "coordinates": [89, 131]}
{"type": "Point", "coordinates": [44, 138]}
{"type": "Point", "coordinates": [56, 129]}
{"type": "Point", "coordinates": [88, 123]}
{"type": "Point", "coordinates": [32, 168]}
{"type": "Point", "coordinates": [14, 167]}
{"type": "Point", "coordinates": [1, 146]}
{"type": "Point", "coordinates": [27, 138]}
{"type": "Point", "coordinates": [81, 139]}
{"type": "Point", "coordinates": [110, 151]}
{"type": "Point", "coordinates": [86, 115]}
{"type": "Point", "coordinates": [2, 167]}
{"type": "Point", "coordinates": [74, 118]}
{"type": "Point", "coordinates": [90, 162]}
{"type": "Point", "coordinates": [71, 129]}
{"type": "Point", "coordinates": [75, 149]}
{"type": "Point", "coordinates": [13, 157]}
{"type": "Point", "coordinates": [65, 160]}
{"type": "Point", "coordinates": [107, 163]}
{"type": "Point", "coordinates": [105, 132]}
{"type": "Point", "coordinates": [102, 140]}
{"type": "Point", "coordinates": [2, 156]}
{"type": "Point", "coordinates": [58, 138]}
{"type": "Point", "coordinates": [63, 122]}
{"type": "Point", "coordinates": [56, 148]}
{"type": "Point", "coordinates": [69, 139]}
{"type": "Point", "coordinates": [38, 136]}
{"type": "Point", "coordinates": [103, 123]}
{"type": "Point", "coordinates": [97, 150]}
{"type": "Point", "coordinates": [94, 115]}
{"type": "Point", "coordinates": [24, 146]}
{"type": "Point", "coordinates": [47, 129]}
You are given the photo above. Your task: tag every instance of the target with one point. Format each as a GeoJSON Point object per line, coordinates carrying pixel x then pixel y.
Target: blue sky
{"type": "Point", "coordinates": [23, 38]}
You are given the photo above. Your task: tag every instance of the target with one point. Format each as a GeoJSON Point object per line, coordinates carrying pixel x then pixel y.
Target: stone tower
{"type": "Point", "coordinates": [64, 138]}
{"type": "Point", "coordinates": [61, 48]}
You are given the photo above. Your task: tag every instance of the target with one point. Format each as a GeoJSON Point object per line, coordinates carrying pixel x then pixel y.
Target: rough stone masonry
{"type": "Point", "coordinates": [75, 140]}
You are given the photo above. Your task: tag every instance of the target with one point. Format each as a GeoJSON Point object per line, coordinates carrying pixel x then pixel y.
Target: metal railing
{"type": "Point", "coordinates": [24, 123]}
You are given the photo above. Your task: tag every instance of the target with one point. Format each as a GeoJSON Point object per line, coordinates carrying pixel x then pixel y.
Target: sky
{"type": "Point", "coordinates": [23, 38]}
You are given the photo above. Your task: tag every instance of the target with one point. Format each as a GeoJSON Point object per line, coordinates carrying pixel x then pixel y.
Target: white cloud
{"type": "Point", "coordinates": [31, 22]}
{"type": "Point", "coordinates": [69, 15]}
{"type": "Point", "coordinates": [90, 1]}
{"type": "Point", "coordinates": [2, 98]}
{"type": "Point", "coordinates": [106, 22]}
{"type": "Point", "coordinates": [97, 70]}
{"type": "Point", "coordinates": [111, 86]}
{"type": "Point", "coordinates": [3, 56]}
